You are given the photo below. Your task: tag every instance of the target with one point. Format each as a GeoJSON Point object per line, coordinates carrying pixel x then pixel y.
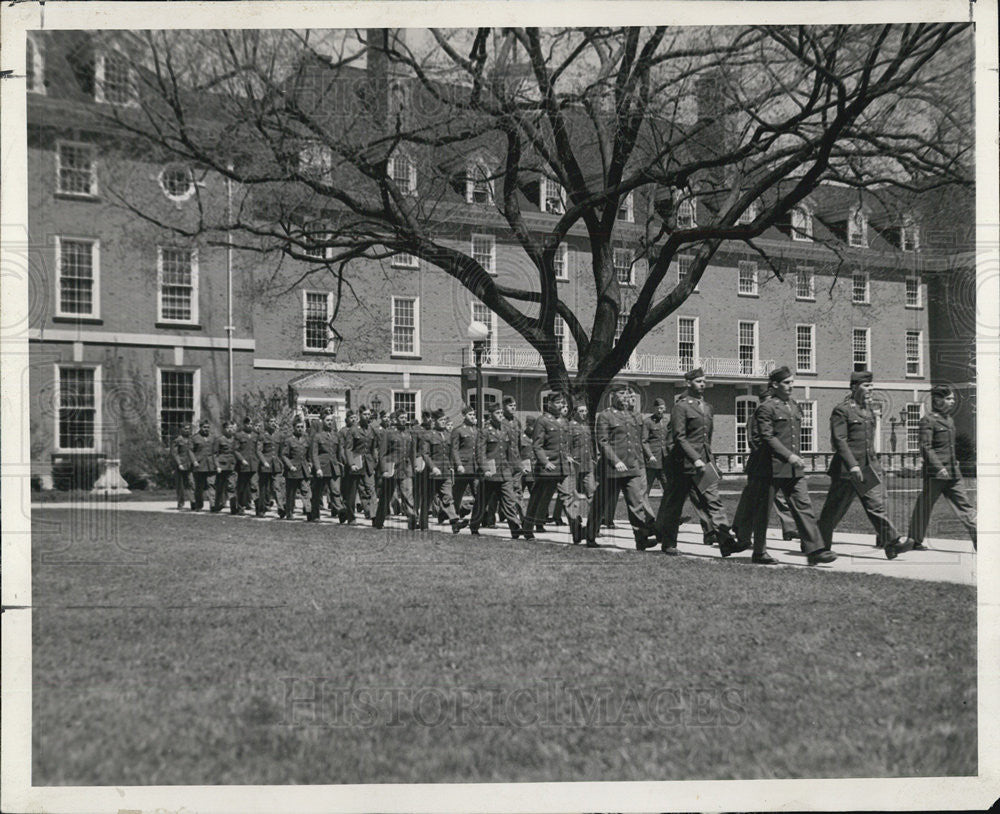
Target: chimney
{"type": "Point", "coordinates": [381, 69]}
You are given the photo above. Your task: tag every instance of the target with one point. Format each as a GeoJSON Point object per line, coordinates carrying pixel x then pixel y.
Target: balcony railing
{"type": "Point", "coordinates": [817, 463]}
{"type": "Point", "coordinates": [649, 364]}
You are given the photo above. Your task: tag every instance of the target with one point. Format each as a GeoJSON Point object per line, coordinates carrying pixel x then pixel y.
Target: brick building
{"type": "Point", "coordinates": [127, 324]}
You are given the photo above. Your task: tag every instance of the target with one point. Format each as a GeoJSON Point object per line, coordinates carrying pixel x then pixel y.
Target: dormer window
{"type": "Point", "coordinates": [625, 209]}
{"type": "Point", "coordinates": [34, 67]}
{"type": "Point", "coordinates": [686, 218]}
{"type": "Point", "coordinates": [403, 173]}
{"type": "Point", "coordinates": [748, 215]}
{"type": "Point", "coordinates": [115, 79]}
{"type": "Point", "coordinates": [552, 198]}
{"type": "Point", "coordinates": [478, 184]}
{"type": "Point", "coordinates": [857, 229]}
{"type": "Point", "coordinates": [909, 235]}
{"type": "Point", "coordinates": [802, 224]}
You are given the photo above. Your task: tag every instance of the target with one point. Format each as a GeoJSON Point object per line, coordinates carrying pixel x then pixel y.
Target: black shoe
{"type": "Point", "coordinates": [822, 556]}
{"type": "Point", "coordinates": [919, 547]}
{"type": "Point", "coordinates": [763, 559]}
{"type": "Point", "coordinates": [790, 535]}
{"type": "Point", "coordinates": [539, 528]}
{"type": "Point", "coordinates": [896, 547]}
{"type": "Point", "coordinates": [592, 544]}
{"type": "Point", "coordinates": [216, 509]}
{"type": "Point", "coordinates": [669, 550]}
{"type": "Point", "coordinates": [458, 525]}
{"type": "Point", "coordinates": [515, 530]}
{"type": "Point", "coordinates": [643, 542]}
{"type": "Point", "coordinates": [527, 534]}
{"type": "Point", "coordinates": [728, 546]}
{"type": "Point", "coordinates": [281, 513]}
{"type": "Point", "coordinates": [880, 544]}
{"type": "Point", "coordinates": [610, 525]}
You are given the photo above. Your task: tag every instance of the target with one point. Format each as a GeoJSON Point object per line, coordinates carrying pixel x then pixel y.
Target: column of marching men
{"type": "Point", "coordinates": [386, 464]}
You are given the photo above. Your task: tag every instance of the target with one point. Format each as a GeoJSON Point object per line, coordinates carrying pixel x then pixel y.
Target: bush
{"type": "Point", "coordinates": [265, 404]}
{"type": "Point", "coordinates": [71, 471]}
{"type": "Point", "coordinates": [145, 461]}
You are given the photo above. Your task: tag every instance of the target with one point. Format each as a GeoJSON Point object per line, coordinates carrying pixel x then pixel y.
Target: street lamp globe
{"type": "Point", "coordinates": [478, 332]}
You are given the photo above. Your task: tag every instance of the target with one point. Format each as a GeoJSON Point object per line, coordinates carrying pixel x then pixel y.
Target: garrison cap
{"type": "Point", "coordinates": [659, 403]}
{"type": "Point", "coordinates": [438, 414]}
{"type": "Point", "coordinates": [696, 373]}
{"type": "Point", "coordinates": [618, 386]}
{"type": "Point", "coordinates": [779, 374]}
{"type": "Point", "coordinates": [861, 376]}
{"type": "Point", "coordinates": [941, 391]}
{"type": "Point", "coordinates": [426, 414]}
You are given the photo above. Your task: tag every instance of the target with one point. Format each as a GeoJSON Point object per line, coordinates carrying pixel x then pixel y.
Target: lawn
{"type": "Point", "coordinates": [181, 649]}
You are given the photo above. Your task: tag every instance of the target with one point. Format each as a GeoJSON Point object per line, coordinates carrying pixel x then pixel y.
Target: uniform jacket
{"type": "Point", "coordinates": [581, 446]}
{"type": "Point", "coordinates": [758, 462]}
{"type": "Point", "coordinates": [324, 453]}
{"type": "Point", "coordinates": [295, 456]}
{"type": "Point", "coordinates": [246, 451]}
{"type": "Point", "coordinates": [180, 449]}
{"type": "Point", "coordinates": [463, 447]}
{"type": "Point", "coordinates": [550, 444]}
{"type": "Point", "coordinates": [777, 425]}
{"type": "Point", "coordinates": [358, 443]}
{"type": "Point", "coordinates": [436, 451]}
{"type": "Point", "coordinates": [494, 444]}
{"type": "Point", "coordinates": [224, 453]}
{"type": "Point", "coordinates": [937, 446]}
{"type": "Point", "coordinates": [396, 448]}
{"type": "Point", "coordinates": [201, 452]}
{"type": "Point", "coordinates": [656, 440]}
{"type": "Point", "coordinates": [269, 451]}
{"type": "Point", "coordinates": [520, 444]}
{"type": "Point", "coordinates": [619, 438]}
{"type": "Point", "coordinates": [691, 428]}
{"type": "Point", "coordinates": [852, 434]}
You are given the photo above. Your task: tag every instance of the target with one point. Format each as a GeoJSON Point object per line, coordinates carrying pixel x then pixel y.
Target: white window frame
{"type": "Point", "coordinates": [752, 401]}
{"type": "Point", "coordinates": [693, 207]}
{"type": "Point", "coordinates": [194, 288]}
{"type": "Point", "coordinates": [620, 326]}
{"type": "Point", "coordinates": [909, 226]}
{"type": "Point", "coordinates": [755, 279]}
{"type": "Point", "coordinates": [416, 326]}
{"type": "Point", "coordinates": [857, 237]}
{"type": "Point", "coordinates": [493, 325]}
{"type": "Point", "coordinates": [411, 170]}
{"type": "Point", "coordinates": [919, 304]}
{"type": "Point", "coordinates": [487, 391]}
{"type": "Point", "coordinates": [812, 427]}
{"type": "Point", "coordinates": [697, 338]}
{"type": "Point", "coordinates": [804, 230]}
{"type": "Point", "coordinates": [93, 169]}
{"type": "Point", "coordinates": [95, 258]}
{"type": "Point", "coordinates": [560, 332]}
{"type": "Point", "coordinates": [914, 447]}
{"type": "Point", "coordinates": [404, 260]}
{"type": "Point", "coordinates": [195, 391]}
{"type": "Point", "coordinates": [329, 310]}
{"type": "Point", "coordinates": [629, 206]}
{"type": "Point", "coordinates": [920, 355]}
{"type": "Point", "coordinates": [186, 195]}
{"type": "Point", "coordinates": [868, 287]}
{"type": "Point", "coordinates": [543, 197]}
{"type": "Point", "coordinates": [99, 72]}
{"type": "Point", "coordinates": [563, 250]}
{"type": "Point", "coordinates": [493, 250]}
{"type": "Point", "coordinates": [474, 167]}
{"type": "Point", "coordinates": [756, 341]}
{"type": "Point", "coordinates": [812, 284]}
{"type": "Point", "coordinates": [631, 265]}
{"type": "Point", "coordinates": [868, 348]}
{"type": "Point", "coordinates": [37, 66]}
{"type": "Point", "coordinates": [747, 215]}
{"type": "Point", "coordinates": [406, 391]}
{"type": "Point", "coordinates": [689, 258]}
{"type": "Point", "coordinates": [812, 348]}
{"type": "Point", "coordinates": [98, 405]}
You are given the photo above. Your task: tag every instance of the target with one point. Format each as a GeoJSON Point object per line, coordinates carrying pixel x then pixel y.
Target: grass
{"type": "Point", "coordinates": [211, 649]}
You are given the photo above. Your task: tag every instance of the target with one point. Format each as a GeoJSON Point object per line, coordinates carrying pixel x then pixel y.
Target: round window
{"type": "Point", "coordinates": [177, 182]}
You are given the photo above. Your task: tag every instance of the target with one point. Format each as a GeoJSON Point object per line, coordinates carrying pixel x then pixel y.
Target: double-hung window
{"type": "Point", "coordinates": [78, 282]}
{"type": "Point", "coordinates": [177, 273]}
{"type": "Point", "coordinates": [405, 326]}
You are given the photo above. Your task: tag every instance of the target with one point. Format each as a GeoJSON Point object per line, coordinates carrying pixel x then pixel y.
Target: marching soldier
{"type": "Point", "coordinates": [180, 451]}
{"type": "Point", "coordinates": [436, 453]}
{"type": "Point", "coordinates": [656, 445]}
{"type": "Point", "coordinates": [204, 466]}
{"type": "Point", "coordinates": [691, 426]}
{"type": "Point", "coordinates": [778, 427]}
{"type": "Point", "coordinates": [520, 448]}
{"type": "Point", "coordinates": [463, 457]}
{"type": "Point", "coordinates": [295, 464]}
{"type": "Point", "coordinates": [495, 461]}
{"type": "Point", "coordinates": [225, 456]}
{"type": "Point", "coordinates": [942, 475]}
{"type": "Point", "coordinates": [554, 469]}
{"type": "Point", "coordinates": [246, 464]}
{"type": "Point", "coordinates": [619, 442]}
{"type": "Point", "coordinates": [325, 457]}
{"type": "Point", "coordinates": [557, 508]}
{"type": "Point", "coordinates": [268, 467]}
{"type": "Point", "coordinates": [855, 469]}
{"type": "Point", "coordinates": [396, 459]}
{"type": "Point", "coordinates": [581, 449]}
{"type": "Point", "coordinates": [528, 479]}
{"type": "Point", "coordinates": [420, 482]}
{"type": "Point", "coordinates": [358, 453]}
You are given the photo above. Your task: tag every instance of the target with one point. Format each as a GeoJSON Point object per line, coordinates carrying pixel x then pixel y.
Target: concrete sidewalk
{"type": "Point", "coordinates": [947, 561]}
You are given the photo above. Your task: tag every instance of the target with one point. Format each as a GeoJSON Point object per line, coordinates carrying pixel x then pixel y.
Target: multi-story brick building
{"type": "Point", "coordinates": [130, 324]}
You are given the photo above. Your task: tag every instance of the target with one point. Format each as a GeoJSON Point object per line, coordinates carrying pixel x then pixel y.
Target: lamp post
{"type": "Point", "coordinates": [893, 423]}
{"type": "Point", "coordinates": [479, 334]}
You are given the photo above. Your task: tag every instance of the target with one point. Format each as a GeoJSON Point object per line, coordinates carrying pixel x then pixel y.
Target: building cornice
{"type": "Point", "coordinates": [120, 338]}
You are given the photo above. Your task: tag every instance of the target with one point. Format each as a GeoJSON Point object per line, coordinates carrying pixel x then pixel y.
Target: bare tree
{"type": "Point", "coordinates": [367, 144]}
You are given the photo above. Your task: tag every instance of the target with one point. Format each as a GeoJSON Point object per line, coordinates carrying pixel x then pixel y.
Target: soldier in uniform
{"type": "Point", "coordinates": [225, 456]}
{"type": "Point", "coordinates": [691, 427]}
{"type": "Point", "coordinates": [778, 428]}
{"type": "Point", "coordinates": [295, 464]}
{"type": "Point", "coordinates": [581, 449]}
{"type": "Point", "coordinates": [621, 468]}
{"type": "Point", "coordinates": [420, 482]}
{"type": "Point", "coordinates": [463, 457]}
{"type": "Point", "coordinates": [436, 452]}
{"type": "Point", "coordinates": [204, 467]}
{"type": "Point", "coordinates": [528, 479]}
{"type": "Point", "coordinates": [358, 451]}
{"type": "Point", "coordinates": [246, 464]}
{"type": "Point", "coordinates": [396, 458]}
{"type": "Point", "coordinates": [656, 445]}
{"type": "Point", "coordinates": [325, 457]}
{"type": "Point", "coordinates": [555, 469]}
{"type": "Point", "coordinates": [942, 475]}
{"type": "Point", "coordinates": [855, 469]}
{"type": "Point", "coordinates": [520, 449]}
{"type": "Point", "coordinates": [180, 451]}
{"type": "Point", "coordinates": [495, 461]}
{"type": "Point", "coordinates": [268, 467]}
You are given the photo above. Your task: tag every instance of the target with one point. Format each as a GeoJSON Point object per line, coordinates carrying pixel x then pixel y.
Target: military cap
{"type": "Point", "coordinates": [468, 408]}
{"type": "Point", "coordinates": [779, 374]}
{"type": "Point", "coordinates": [438, 414]}
{"type": "Point", "coordinates": [861, 376]}
{"type": "Point", "coordinates": [426, 414]}
{"type": "Point", "coordinates": [941, 391]}
{"type": "Point", "coordinates": [659, 403]}
{"type": "Point", "coordinates": [509, 400]}
{"type": "Point", "coordinates": [617, 387]}
{"type": "Point", "coordinates": [697, 373]}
